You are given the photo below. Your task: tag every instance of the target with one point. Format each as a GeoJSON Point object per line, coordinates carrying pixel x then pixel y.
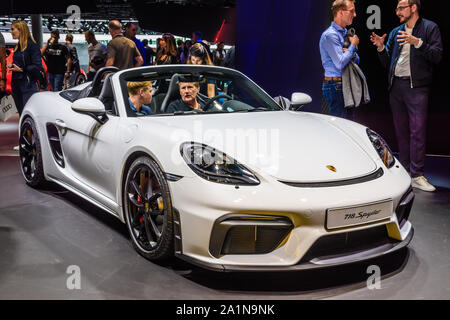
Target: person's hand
{"type": "Point", "coordinates": [354, 40]}
{"type": "Point", "coordinates": [14, 68]}
{"type": "Point", "coordinates": [66, 75]}
{"type": "Point", "coordinates": [377, 40]}
{"type": "Point", "coordinates": [405, 38]}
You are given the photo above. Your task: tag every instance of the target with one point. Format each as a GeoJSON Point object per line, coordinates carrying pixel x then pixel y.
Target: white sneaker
{"type": "Point", "coordinates": [422, 184]}
{"type": "Point", "coordinates": [16, 148]}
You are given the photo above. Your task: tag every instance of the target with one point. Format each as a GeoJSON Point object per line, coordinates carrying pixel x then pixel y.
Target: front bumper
{"type": "Point", "coordinates": [201, 204]}
{"type": "Point", "coordinates": [316, 263]}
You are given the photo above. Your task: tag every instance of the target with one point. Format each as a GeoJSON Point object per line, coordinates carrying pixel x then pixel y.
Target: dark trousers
{"type": "Point", "coordinates": [22, 90]}
{"type": "Point", "coordinates": [409, 109]}
{"type": "Point", "coordinates": [332, 92]}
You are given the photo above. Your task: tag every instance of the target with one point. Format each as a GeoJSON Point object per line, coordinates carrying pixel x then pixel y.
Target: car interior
{"type": "Point", "coordinates": [232, 94]}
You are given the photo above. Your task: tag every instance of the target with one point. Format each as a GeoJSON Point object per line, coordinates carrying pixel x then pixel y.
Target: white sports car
{"type": "Point", "coordinates": [237, 183]}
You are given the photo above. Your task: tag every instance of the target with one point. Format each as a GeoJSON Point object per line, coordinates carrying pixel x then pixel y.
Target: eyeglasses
{"type": "Point", "coordinates": [401, 8]}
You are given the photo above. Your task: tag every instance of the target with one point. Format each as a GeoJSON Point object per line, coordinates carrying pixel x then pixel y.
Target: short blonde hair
{"type": "Point", "coordinates": [339, 5]}
{"type": "Point", "coordinates": [134, 87]}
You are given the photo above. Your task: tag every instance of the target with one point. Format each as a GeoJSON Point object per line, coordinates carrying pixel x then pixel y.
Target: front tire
{"type": "Point", "coordinates": [148, 210]}
{"type": "Point", "coordinates": [30, 154]}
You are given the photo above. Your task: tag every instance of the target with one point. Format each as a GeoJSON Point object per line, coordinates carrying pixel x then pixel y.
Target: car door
{"type": "Point", "coordinates": [89, 151]}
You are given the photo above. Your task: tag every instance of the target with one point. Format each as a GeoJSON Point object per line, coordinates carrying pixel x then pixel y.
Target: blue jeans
{"type": "Point", "coordinates": [56, 81]}
{"type": "Point", "coordinates": [332, 91]}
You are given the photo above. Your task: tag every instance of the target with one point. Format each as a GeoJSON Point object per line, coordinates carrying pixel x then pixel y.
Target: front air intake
{"type": "Point", "coordinates": [247, 234]}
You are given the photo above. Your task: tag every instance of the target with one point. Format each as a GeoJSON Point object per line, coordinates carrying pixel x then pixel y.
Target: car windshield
{"type": "Point", "coordinates": [187, 90]}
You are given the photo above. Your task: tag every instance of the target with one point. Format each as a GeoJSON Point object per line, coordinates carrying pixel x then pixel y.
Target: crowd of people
{"type": "Point", "coordinates": [124, 51]}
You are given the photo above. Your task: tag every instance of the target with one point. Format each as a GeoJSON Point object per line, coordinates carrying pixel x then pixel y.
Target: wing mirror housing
{"type": "Point", "coordinates": [92, 107]}
{"type": "Point", "coordinates": [299, 100]}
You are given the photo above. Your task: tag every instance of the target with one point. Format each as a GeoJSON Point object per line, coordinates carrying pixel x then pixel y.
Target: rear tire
{"type": "Point", "coordinates": [148, 210]}
{"type": "Point", "coordinates": [30, 155]}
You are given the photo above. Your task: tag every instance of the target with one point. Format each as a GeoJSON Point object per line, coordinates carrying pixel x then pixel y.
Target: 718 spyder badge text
{"type": "Point", "coordinates": [361, 215]}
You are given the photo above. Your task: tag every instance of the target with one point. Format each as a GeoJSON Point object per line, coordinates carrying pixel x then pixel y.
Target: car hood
{"type": "Point", "coordinates": [292, 147]}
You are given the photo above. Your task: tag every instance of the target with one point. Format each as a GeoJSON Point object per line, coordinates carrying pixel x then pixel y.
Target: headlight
{"type": "Point", "coordinates": [216, 166]}
{"type": "Point", "coordinates": [382, 148]}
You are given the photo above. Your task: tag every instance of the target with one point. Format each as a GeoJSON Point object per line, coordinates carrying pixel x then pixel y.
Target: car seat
{"type": "Point", "coordinates": [107, 95]}
{"type": "Point", "coordinates": [173, 93]}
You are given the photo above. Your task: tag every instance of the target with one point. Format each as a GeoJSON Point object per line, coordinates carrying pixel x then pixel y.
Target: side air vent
{"type": "Point", "coordinates": [404, 208]}
{"type": "Point", "coordinates": [55, 144]}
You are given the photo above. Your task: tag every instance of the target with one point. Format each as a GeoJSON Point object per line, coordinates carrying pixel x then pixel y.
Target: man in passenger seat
{"type": "Point", "coordinates": [141, 94]}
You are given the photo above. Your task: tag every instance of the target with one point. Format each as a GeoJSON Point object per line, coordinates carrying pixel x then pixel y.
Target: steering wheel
{"type": "Point", "coordinates": [207, 106]}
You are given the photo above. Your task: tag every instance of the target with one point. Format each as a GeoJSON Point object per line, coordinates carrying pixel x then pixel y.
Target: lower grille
{"type": "Point", "coordinates": [348, 243]}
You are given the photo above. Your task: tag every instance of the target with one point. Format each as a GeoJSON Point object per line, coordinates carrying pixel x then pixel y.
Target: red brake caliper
{"type": "Point", "coordinates": [140, 200]}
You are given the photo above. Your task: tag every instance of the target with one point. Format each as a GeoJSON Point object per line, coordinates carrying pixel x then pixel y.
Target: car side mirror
{"type": "Point", "coordinates": [92, 107]}
{"type": "Point", "coordinates": [299, 99]}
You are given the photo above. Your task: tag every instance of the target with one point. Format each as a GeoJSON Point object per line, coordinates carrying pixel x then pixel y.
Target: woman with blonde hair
{"type": "Point", "coordinates": [199, 55]}
{"type": "Point", "coordinates": [26, 66]}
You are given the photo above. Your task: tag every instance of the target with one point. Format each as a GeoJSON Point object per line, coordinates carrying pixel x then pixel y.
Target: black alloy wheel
{"type": "Point", "coordinates": [30, 154]}
{"type": "Point", "coordinates": [148, 210]}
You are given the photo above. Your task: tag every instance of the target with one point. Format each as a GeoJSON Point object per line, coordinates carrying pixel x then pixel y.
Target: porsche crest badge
{"type": "Point", "coordinates": [332, 168]}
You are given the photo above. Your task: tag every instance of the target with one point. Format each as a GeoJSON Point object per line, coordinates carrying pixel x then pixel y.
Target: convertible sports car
{"type": "Point", "coordinates": [241, 184]}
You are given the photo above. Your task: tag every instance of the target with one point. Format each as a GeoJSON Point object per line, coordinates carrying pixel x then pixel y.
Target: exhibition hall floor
{"type": "Point", "coordinates": [44, 232]}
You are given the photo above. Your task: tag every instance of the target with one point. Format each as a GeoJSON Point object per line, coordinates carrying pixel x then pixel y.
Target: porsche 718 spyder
{"type": "Point", "coordinates": [243, 183]}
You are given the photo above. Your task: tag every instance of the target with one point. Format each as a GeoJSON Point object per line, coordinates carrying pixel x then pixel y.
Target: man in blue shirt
{"type": "Point", "coordinates": [130, 32]}
{"type": "Point", "coordinates": [335, 57]}
{"type": "Point", "coordinates": [141, 94]}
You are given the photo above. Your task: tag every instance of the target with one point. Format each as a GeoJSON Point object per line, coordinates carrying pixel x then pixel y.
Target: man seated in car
{"type": "Point", "coordinates": [188, 101]}
{"type": "Point", "coordinates": [141, 94]}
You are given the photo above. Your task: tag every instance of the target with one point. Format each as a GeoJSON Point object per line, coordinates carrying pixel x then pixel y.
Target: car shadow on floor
{"type": "Point", "coordinates": [302, 281]}
{"type": "Point", "coordinates": [86, 207]}
{"type": "Point", "coordinates": [291, 282]}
